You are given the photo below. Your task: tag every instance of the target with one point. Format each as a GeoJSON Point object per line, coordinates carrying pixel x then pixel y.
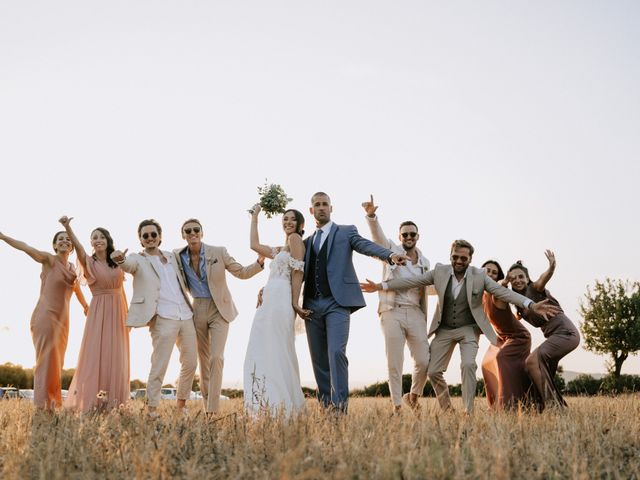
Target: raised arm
{"type": "Point", "coordinates": [80, 252]}
{"type": "Point", "coordinates": [240, 271]}
{"type": "Point", "coordinates": [541, 283]}
{"type": "Point", "coordinates": [254, 238]}
{"type": "Point", "coordinates": [127, 264]}
{"type": "Point", "coordinates": [38, 255]}
{"type": "Point", "coordinates": [297, 250]}
{"type": "Point", "coordinates": [377, 234]}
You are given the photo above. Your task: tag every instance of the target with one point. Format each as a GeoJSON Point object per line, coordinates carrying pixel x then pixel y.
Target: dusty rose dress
{"type": "Point", "coordinates": [103, 363]}
{"type": "Point", "coordinates": [50, 331]}
{"type": "Point", "coordinates": [562, 337]}
{"type": "Point", "coordinates": [503, 369]}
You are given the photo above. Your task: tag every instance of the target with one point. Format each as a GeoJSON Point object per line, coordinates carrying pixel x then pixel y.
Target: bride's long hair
{"type": "Point", "coordinates": [299, 220]}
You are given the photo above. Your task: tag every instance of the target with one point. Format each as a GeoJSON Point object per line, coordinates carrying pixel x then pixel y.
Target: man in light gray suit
{"type": "Point", "coordinates": [332, 293]}
{"type": "Point", "coordinates": [459, 317]}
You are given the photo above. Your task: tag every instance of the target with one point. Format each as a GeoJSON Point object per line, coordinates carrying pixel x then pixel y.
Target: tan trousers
{"type": "Point", "coordinates": [399, 326]}
{"type": "Point", "coordinates": [166, 333]}
{"type": "Point", "coordinates": [441, 350]}
{"type": "Point", "coordinates": [211, 331]}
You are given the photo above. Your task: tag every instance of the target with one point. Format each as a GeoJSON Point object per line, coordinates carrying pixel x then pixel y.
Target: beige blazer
{"type": "Point", "coordinates": [217, 262]}
{"type": "Point", "coordinates": [388, 297]}
{"type": "Point", "coordinates": [146, 287]}
{"type": "Point", "coordinates": [477, 282]}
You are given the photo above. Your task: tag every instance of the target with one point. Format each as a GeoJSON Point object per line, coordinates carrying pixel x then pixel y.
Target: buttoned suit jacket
{"type": "Point", "coordinates": [343, 281]}
{"type": "Point", "coordinates": [476, 282]}
{"type": "Point", "coordinates": [146, 287]}
{"type": "Point", "coordinates": [217, 262]}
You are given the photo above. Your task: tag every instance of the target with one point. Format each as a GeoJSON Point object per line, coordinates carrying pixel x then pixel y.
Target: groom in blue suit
{"type": "Point", "coordinates": [332, 293]}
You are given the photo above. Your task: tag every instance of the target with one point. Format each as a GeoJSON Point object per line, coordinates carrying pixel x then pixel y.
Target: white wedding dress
{"type": "Point", "coordinates": [271, 373]}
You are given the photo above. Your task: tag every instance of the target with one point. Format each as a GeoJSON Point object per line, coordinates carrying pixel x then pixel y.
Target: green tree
{"type": "Point", "coordinates": [611, 326]}
{"type": "Point", "coordinates": [136, 384]}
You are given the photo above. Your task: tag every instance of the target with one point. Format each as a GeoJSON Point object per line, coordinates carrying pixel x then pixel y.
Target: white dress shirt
{"type": "Point", "coordinates": [171, 302]}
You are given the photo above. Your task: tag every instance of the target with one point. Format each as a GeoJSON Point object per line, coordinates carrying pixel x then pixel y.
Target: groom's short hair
{"type": "Point", "coordinates": [320, 194]}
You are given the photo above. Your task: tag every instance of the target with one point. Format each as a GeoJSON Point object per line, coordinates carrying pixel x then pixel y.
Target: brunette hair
{"type": "Point", "coordinates": [494, 262]}
{"type": "Point", "coordinates": [299, 220]}
{"type": "Point", "coordinates": [519, 265]}
{"type": "Point", "coordinates": [191, 220]}
{"type": "Point", "coordinates": [146, 223]}
{"type": "Point", "coordinates": [407, 223]}
{"type": "Point", "coordinates": [55, 239]}
{"type": "Point", "coordinates": [110, 247]}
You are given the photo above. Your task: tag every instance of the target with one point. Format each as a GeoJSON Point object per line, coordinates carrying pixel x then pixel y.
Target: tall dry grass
{"type": "Point", "coordinates": [596, 437]}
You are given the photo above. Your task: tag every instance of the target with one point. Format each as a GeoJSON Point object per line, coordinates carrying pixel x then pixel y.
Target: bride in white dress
{"type": "Point", "coordinates": [271, 374]}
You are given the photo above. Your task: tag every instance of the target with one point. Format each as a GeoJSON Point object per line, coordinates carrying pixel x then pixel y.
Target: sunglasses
{"type": "Point", "coordinates": [152, 235]}
{"type": "Point", "coordinates": [409, 234]}
{"type": "Point", "coordinates": [189, 230]}
{"type": "Point", "coordinates": [462, 258]}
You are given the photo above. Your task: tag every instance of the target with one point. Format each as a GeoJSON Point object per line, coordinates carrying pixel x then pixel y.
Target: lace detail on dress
{"type": "Point", "coordinates": [274, 251]}
{"type": "Point", "coordinates": [280, 265]}
{"type": "Point", "coordinates": [296, 264]}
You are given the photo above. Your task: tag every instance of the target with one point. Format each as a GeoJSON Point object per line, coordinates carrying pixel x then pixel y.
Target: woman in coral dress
{"type": "Point", "coordinates": [50, 319]}
{"type": "Point", "coordinates": [505, 378]}
{"type": "Point", "coordinates": [101, 380]}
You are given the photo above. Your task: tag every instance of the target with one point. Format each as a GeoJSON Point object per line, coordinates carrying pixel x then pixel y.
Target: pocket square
{"type": "Point", "coordinates": [211, 261]}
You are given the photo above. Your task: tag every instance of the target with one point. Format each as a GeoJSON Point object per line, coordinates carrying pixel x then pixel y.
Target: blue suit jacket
{"type": "Point", "coordinates": [343, 281]}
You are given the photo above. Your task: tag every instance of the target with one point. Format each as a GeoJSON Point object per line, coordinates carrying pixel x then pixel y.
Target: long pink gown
{"type": "Point", "coordinates": [50, 331]}
{"type": "Point", "coordinates": [101, 380]}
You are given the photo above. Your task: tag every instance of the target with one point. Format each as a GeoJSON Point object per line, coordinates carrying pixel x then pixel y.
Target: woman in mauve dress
{"type": "Point", "coordinates": [503, 366]}
{"type": "Point", "coordinates": [561, 334]}
{"type": "Point", "coordinates": [101, 380]}
{"type": "Point", "coordinates": [50, 319]}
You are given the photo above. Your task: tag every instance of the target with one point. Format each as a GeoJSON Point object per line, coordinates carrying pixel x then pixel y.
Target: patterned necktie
{"type": "Point", "coordinates": [316, 241]}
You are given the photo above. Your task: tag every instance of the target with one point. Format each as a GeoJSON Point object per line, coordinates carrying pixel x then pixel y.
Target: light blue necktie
{"type": "Point", "coordinates": [316, 241]}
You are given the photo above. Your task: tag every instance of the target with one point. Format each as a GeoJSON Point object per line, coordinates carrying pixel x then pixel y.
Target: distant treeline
{"type": "Point", "coordinates": [19, 377]}
{"type": "Point", "coordinates": [582, 385]}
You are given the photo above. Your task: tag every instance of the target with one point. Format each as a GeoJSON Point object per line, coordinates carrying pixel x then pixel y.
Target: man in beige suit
{"type": "Point", "coordinates": [403, 314]}
{"type": "Point", "coordinates": [202, 268]}
{"type": "Point", "coordinates": [160, 301]}
{"type": "Point", "coordinates": [459, 317]}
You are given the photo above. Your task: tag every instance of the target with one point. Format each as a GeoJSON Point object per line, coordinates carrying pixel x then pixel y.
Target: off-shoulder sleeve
{"type": "Point", "coordinates": [296, 264]}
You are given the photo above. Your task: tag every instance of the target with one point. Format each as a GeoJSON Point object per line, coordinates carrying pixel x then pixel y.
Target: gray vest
{"type": "Point", "coordinates": [455, 311]}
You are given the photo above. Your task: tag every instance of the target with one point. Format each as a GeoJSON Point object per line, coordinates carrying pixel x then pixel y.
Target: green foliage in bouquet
{"type": "Point", "coordinates": [273, 199]}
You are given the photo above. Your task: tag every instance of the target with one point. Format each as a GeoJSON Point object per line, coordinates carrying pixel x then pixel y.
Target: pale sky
{"type": "Point", "coordinates": [513, 125]}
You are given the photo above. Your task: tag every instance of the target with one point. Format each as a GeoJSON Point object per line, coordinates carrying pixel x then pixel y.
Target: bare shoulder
{"type": "Point", "coordinates": [295, 239]}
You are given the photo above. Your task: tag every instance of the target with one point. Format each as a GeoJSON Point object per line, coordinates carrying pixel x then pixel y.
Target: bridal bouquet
{"type": "Point", "coordinates": [273, 199]}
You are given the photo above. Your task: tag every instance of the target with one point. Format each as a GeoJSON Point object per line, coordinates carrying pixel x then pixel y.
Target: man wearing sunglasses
{"type": "Point", "coordinates": [459, 317]}
{"type": "Point", "coordinates": [202, 268]}
{"type": "Point", "coordinates": [160, 301]}
{"type": "Point", "coordinates": [403, 314]}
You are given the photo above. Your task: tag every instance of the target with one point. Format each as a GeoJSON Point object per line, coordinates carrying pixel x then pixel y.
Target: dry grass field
{"type": "Point", "coordinates": [597, 437]}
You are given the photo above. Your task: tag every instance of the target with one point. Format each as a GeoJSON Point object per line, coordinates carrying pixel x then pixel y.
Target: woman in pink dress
{"type": "Point", "coordinates": [50, 319]}
{"type": "Point", "coordinates": [101, 380]}
{"type": "Point", "coordinates": [503, 366]}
